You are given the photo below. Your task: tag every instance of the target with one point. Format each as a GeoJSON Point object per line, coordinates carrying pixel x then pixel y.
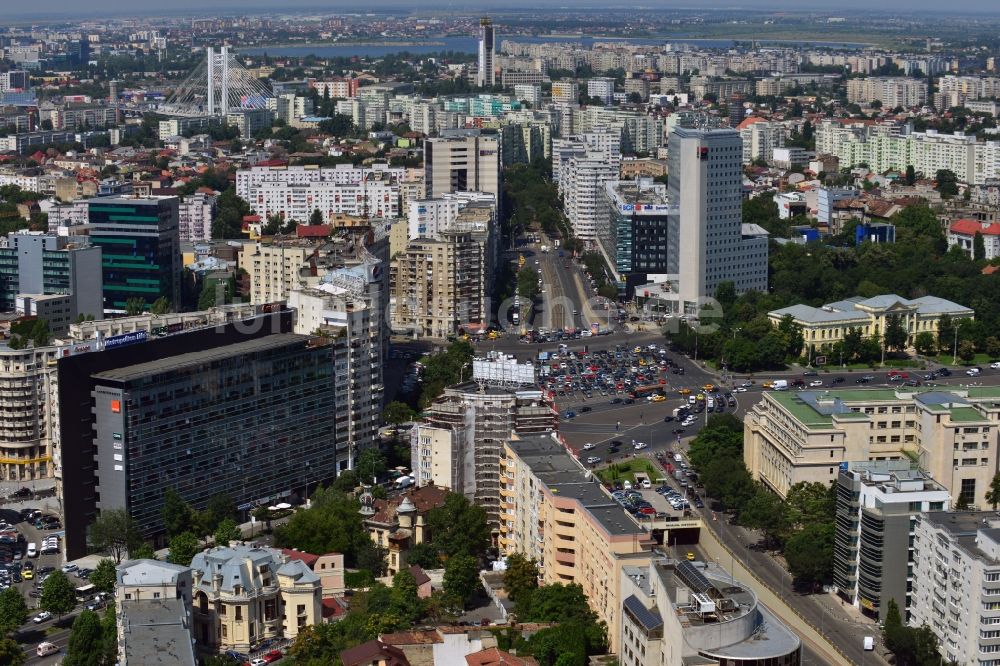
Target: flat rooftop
{"type": "Point", "coordinates": [156, 632]}
{"type": "Point", "coordinates": [132, 372]}
{"type": "Point", "coordinates": [563, 476]}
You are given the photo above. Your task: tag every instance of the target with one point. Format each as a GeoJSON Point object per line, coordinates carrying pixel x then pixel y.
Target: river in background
{"type": "Point", "coordinates": [470, 45]}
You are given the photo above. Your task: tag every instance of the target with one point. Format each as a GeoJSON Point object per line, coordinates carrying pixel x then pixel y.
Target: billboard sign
{"type": "Point", "coordinates": [125, 339]}
{"type": "Point", "coordinates": [505, 370]}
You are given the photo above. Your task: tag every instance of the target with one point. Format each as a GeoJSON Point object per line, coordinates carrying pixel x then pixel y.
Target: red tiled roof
{"type": "Point", "coordinates": [990, 270]}
{"type": "Point", "coordinates": [312, 231]}
{"type": "Point", "coordinates": [332, 607]}
{"type": "Point", "coordinates": [366, 653]}
{"type": "Point", "coordinates": [307, 558]}
{"type": "Point", "coordinates": [970, 227]}
{"type": "Point", "coordinates": [428, 637]}
{"type": "Point", "coordinates": [251, 218]}
{"type": "Point", "coordinates": [424, 499]}
{"type": "Point", "coordinates": [749, 121]}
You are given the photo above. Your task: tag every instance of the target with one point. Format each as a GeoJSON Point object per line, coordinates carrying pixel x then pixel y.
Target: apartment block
{"type": "Point", "coordinates": [377, 195]}
{"type": "Point", "coordinates": [244, 595]}
{"type": "Point", "coordinates": [804, 436]}
{"type": "Point", "coordinates": [461, 437]}
{"type": "Point", "coordinates": [582, 184]}
{"type": "Point", "coordinates": [554, 512]}
{"type": "Point", "coordinates": [676, 612]}
{"type": "Point", "coordinates": [760, 137]}
{"type": "Point", "coordinates": [956, 583]}
{"type": "Point", "coordinates": [565, 92]}
{"type": "Point", "coordinates": [963, 234]}
{"type": "Point", "coordinates": [462, 161]}
{"type": "Point", "coordinates": [195, 214]}
{"type": "Point", "coordinates": [153, 613]}
{"type": "Point", "coordinates": [891, 91]}
{"type": "Point", "coordinates": [140, 249]}
{"type": "Point", "coordinates": [275, 265]}
{"type": "Point", "coordinates": [825, 326]}
{"type": "Point", "coordinates": [439, 285]}
{"type": "Point", "coordinates": [877, 506]}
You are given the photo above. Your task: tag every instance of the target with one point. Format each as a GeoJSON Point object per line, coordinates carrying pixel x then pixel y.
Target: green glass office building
{"type": "Point", "coordinates": [140, 243]}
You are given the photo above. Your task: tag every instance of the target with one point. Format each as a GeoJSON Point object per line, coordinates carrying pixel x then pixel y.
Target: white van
{"type": "Point", "coordinates": [869, 643]}
{"type": "Point", "coordinates": [45, 649]}
{"type": "Point", "coordinates": [32, 550]}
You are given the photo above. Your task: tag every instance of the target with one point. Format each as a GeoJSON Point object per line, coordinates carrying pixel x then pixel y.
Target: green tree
{"type": "Point", "coordinates": [11, 652]}
{"type": "Point", "coordinates": [461, 578]}
{"type": "Point", "coordinates": [809, 504]}
{"type": "Point", "coordinates": [911, 174]}
{"type": "Point", "coordinates": [227, 532]}
{"type": "Point", "coordinates": [370, 464]}
{"type": "Point", "coordinates": [992, 347]}
{"type": "Point", "coordinates": [946, 333]}
{"type": "Point", "coordinates": [86, 641]}
{"type": "Point", "coordinates": [947, 183]}
{"type": "Point", "coordinates": [557, 603]}
{"type": "Point", "coordinates": [178, 516]}
{"type": "Point", "coordinates": [397, 413]}
{"type": "Point", "coordinates": [115, 533]}
{"type": "Point", "coordinates": [967, 351]}
{"type": "Point", "coordinates": [809, 553]}
{"type": "Point", "coordinates": [213, 294]}
{"type": "Point", "coordinates": [978, 247]}
{"type": "Point", "coordinates": [143, 552]}
{"type": "Point", "coordinates": [229, 213]}
{"type": "Point", "coordinates": [220, 507]}
{"type": "Point", "coordinates": [405, 602]}
{"type": "Point", "coordinates": [766, 512]}
{"type": "Point", "coordinates": [331, 524]}
{"type": "Point", "coordinates": [161, 306]}
{"type": "Point", "coordinates": [527, 283]}
{"type": "Point", "coordinates": [520, 579]}
{"type": "Point", "coordinates": [424, 555]}
{"type": "Point", "coordinates": [459, 527]}
{"type": "Point", "coordinates": [13, 610]}
{"type": "Point", "coordinates": [134, 306]}
{"type": "Point", "coordinates": [104, 576]}
{"type": "Point", "coordinates": [315, 218]}
{"type": "Point", "coordinates": [895, 333]}
{"type": "Point", "coordinates": [183, 548]}
{"type": "Point", "coordinates": [58, 594]}
{"type": "Point", "coordinates": [993, 494]}
{"type": "Point", "coordinates": [925, 343]}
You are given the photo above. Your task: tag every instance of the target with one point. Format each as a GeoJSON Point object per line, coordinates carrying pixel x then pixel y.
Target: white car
{"type": "Point", "coordinates": [995, 365]}
{"type": "Point", "coordinates": [973, 372]}
{"type": "Point", "coordinates": [816, 382]}
{"type": "Point", "coordinates": [640, 445]}
{"type": "Point", "coordinates": [593, 460]}
{"type": "Point", "coordinates": [740, 389]}
{"type": "Point", "coordinates": [42, 617]}
{"type": "Point", "coordinates": [69, 568]}
{"type": "Point", "coordinates": [588, 446]}
{"type": "Point", "coordinates": [647, 484]}
{"type": "Point", "coordinates": [747, 384]}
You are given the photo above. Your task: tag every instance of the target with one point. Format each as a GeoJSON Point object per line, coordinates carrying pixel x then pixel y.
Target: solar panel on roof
{"type": "Point", "coordinates": [693, 577]}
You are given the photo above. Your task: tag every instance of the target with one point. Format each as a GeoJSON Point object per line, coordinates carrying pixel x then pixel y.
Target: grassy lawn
{"type": "Point", "coordinates": [980, 360]}
{"type": "Point", "coordinates": [625, 471]}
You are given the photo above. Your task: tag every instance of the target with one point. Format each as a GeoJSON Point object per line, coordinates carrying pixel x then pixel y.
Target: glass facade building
{"type": "Point", "coordinates": [634, 241]}
{"type": "Point", "coordinates": [140, 240]}
{"type": "Point", "coordinates": [252, 420]}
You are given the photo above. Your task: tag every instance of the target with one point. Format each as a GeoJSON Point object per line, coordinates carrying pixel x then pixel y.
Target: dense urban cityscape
{"type": "Point", "coordinates": [396, 336]}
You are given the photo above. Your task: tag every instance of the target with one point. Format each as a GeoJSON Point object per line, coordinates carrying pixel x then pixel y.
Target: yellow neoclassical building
{"type": "Point", "coordinates": [827, 325]}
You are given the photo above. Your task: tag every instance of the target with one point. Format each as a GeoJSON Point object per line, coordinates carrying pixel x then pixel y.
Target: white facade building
{"type": "Point", "coordinates": [194, 217]}
{"type": "Point", "coordinates": [891, 91]}
{"type": "Point", "coordinates": [708, 242]}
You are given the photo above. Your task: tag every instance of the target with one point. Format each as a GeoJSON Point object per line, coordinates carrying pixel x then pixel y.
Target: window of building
{"type": "Point", "coordinates": [239, 613]}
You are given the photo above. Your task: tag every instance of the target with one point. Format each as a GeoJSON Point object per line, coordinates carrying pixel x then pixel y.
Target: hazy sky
{"type": "Point", "coordinates": [49, 8]}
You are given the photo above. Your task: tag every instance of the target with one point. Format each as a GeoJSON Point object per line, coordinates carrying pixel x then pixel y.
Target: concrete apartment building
{"type": "Point", "coordinates": [37, 263]}
{"type": "Point", "coordinates": [676, 612]}
{"type": "Point", "coordinates": [195, 214]}
{"type": "Point", "coordinates": [956, 583]}
{"type": "Point", "coordinates": [487, 71]}
{"type": "Point", "coordinates": [553, 512]}
{"type": "Point", "coordinates": [791, 437]}
{"type": "Point", "coordinates": [243, 595]}
{"type": "Point", "coordinates": [462, 161]}
{"type": "Point", "coordinates": [760, 137]}
{"type": "Point", "coordinates": [275, 264]}
{"type": "Point", "coordinates": [963, 234]}
{"type": "Point", "coordinates": [153, 613]}
{"type": "Point", "coordinates": [708, 241]}
{"type": "Point", "coordinates": [29, 421]}
{"type": "Point", "coordinates": [439, 285]}
{"type": "Point", "coordinates": [565, 92]}
{"type": "Point", "coordinates": [827, 325]}
{"type": "Point", "coordinates": [140, 249]}
{"type": "Point", "coordinates": [891, 91]}
{"type": "Point", "coordinates": [581, 183]}
{"type": "Point", "coordinates": [461, 439]}
{"type": "Point", "coordinates": [877, 505]}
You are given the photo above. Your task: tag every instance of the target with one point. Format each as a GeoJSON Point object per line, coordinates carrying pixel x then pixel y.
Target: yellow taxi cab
{"type": "Point", "coordinates": [700, 396]}
{"type": "Point", "coordinates": [684, 391]}
{"type": "Point", "coordinates": [642, 361]}
{"type": "Point", "coordinates": [658, 398]}
{"type": "Point", "coordinates": [767, 384]}
{"type": "Point", "coordinates": [637, 350]}
{"type": "Point", "coordinates": [492, 335]}
{"type": "Point", "coordinates": [708, 387]}
{"type": "Point", "coordinates": [690, 557]}
{"type": "Point", "coordinates": [28, 574]}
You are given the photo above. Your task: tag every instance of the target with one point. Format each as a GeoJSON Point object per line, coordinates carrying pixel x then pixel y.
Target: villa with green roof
{"type": "Point", "coordinates": [793, 436]}
{"type": "Point", "coordinates": [827, 325]}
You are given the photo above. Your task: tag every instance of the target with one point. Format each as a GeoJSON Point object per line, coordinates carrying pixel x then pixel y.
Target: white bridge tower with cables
{"type": "Point", "coordinates": [218, 85]}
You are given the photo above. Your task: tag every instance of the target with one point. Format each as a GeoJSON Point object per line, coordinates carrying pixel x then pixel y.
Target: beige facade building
{"type": "Point", "coordinates": [400, 523]}
{"type": "Point", "coordinates": [273, 265]}
{"type": "Point", "coordinates": [825, 326]}
{"type": "Point", "coordinates": [804, 436]}
{"type": "Point", "coordinates": [466, 161]}
{"type": "Point", "coordinates": [29, 416]}
{"type": "Point", "coordinates": [439, 285]}
{"type": "Point", "coordinates": [244, 595]}
{"type": "Point", "coordinates": [553, 512]}
{"type": "Point", "coordinates": [891, 91]}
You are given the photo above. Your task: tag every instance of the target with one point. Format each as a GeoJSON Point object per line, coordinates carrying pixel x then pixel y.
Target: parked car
{"type": "Point", "coordinates": [42, 617]}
